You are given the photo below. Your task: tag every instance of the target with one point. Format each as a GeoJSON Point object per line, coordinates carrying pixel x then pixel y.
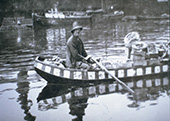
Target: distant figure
{"type": "Point", "coordinates": [19, 22]}
{"type": "Point", "coordinates": [75, 49]}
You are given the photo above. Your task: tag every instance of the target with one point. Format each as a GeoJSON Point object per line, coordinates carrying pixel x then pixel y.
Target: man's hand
{"type": "Point", "coordinates": [89, 59]}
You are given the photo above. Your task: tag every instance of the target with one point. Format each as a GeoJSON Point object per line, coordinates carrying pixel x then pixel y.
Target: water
{"type": "Point", "coordinates": [26, 96]}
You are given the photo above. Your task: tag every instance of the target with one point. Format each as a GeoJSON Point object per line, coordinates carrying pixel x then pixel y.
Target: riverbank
{"type": "Point", "coordinates": [13, 23]}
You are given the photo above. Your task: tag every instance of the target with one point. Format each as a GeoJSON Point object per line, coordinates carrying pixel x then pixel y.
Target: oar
{"type": "Point", "coordinates": [114, 77]}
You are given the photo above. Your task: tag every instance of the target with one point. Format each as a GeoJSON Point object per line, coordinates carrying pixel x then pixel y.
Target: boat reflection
{"type": "Point", "coordinates": [77, 95]}
{"type": "Point", "coordinates": [149, 89]}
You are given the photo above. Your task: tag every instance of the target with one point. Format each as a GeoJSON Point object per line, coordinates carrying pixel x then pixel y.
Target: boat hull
{"type": "Point", "coordinates": [56, 79]}
{"type": "Point", "coordinates": [55, 74]}
{"type": "Point", "coordinates": [43, 21]}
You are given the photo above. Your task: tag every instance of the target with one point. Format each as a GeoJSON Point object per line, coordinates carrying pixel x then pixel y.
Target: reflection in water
{"type": "Point", "coordinates": [51, 41]}
{"type": "Point", "coordinates": [56, 40]}
{"type": "Point", "coordinates": [150, 89]}
{"type": "Point", "coordinates": [19, 36]}
{"type": "Point", "coordinates": [77, 108]}
{"type": "Point", "coordinates": [23, 89]}
{"type": "Point", "coordinates": [77, 95]}
{"type": "Point", "coordinates": [56, 34]}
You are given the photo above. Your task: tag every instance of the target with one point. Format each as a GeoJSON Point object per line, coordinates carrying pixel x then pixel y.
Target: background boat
{"type": "Point", "coordinates": [61, 18]}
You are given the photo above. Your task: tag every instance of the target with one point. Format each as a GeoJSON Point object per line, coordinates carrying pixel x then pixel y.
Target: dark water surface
{"type": "Point", "coordinates": [26, 96]}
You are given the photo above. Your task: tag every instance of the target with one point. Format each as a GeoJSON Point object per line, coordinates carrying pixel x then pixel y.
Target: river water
{"type": "Point", "coordinates": [24, 95]}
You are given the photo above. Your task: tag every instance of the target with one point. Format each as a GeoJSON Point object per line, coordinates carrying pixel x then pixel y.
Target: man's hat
{"type": "Point", "coordinates": [76, 26]}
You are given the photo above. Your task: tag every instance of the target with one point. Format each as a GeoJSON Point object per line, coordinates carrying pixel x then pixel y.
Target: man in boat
{"type": "Point", "coordinates": [76, 53]}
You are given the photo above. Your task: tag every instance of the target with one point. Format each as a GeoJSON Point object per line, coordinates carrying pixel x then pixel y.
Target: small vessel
{"type": "Point", "coordinates": [141, 64]}
{"type": "Point", "coordinates": [54, 17]}
{"type": "Point", "coordinates": [54, 73]}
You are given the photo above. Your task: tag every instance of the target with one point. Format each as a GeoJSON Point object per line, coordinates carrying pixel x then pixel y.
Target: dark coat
{"type": "Point", "coordinates": [75, 48]}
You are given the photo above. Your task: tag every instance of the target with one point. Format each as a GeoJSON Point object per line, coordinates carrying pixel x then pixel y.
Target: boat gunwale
{"type": "Point", "coordinates": [65, 18]}
{"type": "Point", "coordinates": [85, 70]}
{"type": "Point", "coordinates": [70, 80]}
{"type": "Point", "coordinates": [55, 66]}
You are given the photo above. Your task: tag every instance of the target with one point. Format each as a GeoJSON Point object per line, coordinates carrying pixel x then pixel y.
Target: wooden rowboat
{"type": "Point", "coordinates": [54, 73]}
